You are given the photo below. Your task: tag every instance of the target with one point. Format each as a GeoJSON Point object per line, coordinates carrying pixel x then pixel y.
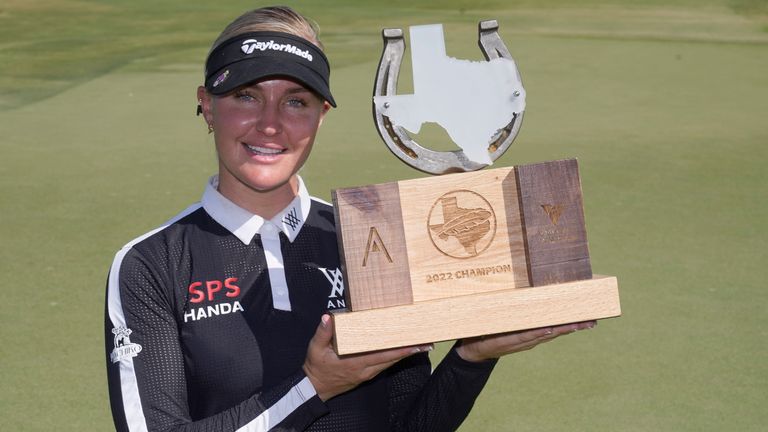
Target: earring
{"type": "Point", "coordinates": [199, 106]}
{"type": "Point", "coordinates": [210, 128]}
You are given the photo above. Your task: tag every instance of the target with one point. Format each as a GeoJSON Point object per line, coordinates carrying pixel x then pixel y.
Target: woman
{"type": "Point", "coordinates": [217, 320]}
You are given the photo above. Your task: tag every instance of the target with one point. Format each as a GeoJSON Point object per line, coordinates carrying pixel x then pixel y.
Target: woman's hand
{"type": "Point", "coordinates": [332, 374]}
{"type": "Point", "coordinates": [494, 346]}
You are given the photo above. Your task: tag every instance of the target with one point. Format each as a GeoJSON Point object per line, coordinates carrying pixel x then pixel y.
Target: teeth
{"type": "Point", "coordinates": [264, 150]}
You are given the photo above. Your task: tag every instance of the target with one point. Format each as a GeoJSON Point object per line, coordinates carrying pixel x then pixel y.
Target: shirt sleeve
{"type": "Point", "coordinates": [437, 401]}
{"type": "Point", "coordinates": [145, 365]}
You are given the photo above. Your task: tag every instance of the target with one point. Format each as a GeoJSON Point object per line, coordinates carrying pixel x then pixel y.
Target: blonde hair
{"type": "Point", "coordinates": [274, 18]}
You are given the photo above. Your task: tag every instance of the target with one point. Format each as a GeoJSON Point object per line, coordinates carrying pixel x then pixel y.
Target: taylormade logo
{"type": "Point", "coordinates": [251, 45]}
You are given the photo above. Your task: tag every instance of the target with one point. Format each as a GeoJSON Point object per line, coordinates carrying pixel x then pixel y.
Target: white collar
{"type": "Point", "coordinates": [244, 224]}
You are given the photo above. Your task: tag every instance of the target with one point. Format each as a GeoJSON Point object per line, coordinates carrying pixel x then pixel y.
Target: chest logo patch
{"type": "Point", "coordinates": [212, 298]}
{"type": "Point", "coordinates": [336, 296]}
{"type": "Point", "coordinates": [124, 348]}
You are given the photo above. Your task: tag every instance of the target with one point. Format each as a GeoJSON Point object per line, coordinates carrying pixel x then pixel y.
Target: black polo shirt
{"type": "Point", "coordinates": [209, 317]}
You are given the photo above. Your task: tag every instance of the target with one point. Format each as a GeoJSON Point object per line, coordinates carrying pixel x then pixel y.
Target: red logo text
{"type": "Point", "coordinates": [211, 289]}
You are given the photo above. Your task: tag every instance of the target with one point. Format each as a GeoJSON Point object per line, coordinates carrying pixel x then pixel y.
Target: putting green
{"type": "Point", "coordinates": [662, 104]}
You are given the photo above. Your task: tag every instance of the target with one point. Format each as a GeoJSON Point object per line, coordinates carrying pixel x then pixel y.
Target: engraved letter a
{"type": "Point", "coordinates": [375, 244]}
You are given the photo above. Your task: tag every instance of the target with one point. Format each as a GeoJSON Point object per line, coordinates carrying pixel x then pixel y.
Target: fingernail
{"type": "Point", "coordinates": [548, 332]}
{"type": "Point", "coordinates": [324, 319]}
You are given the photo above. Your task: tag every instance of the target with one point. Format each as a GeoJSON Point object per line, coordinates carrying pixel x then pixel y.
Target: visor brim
{"type": "Point", "coordinates": [250, 70]}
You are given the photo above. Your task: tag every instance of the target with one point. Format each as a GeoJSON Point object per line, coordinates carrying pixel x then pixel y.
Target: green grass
{"type": "Point", "coordinates": [663, 104]}
{"type": "Point", "coordinates": [48, 46]}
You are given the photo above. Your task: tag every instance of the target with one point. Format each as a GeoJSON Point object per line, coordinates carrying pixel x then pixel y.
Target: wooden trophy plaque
{"type": "Point", "coordinates": [464, 254]}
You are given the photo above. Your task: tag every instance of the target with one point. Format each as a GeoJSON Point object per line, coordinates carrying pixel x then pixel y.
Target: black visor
{"type": "Point", "coordinates": [249, 57]}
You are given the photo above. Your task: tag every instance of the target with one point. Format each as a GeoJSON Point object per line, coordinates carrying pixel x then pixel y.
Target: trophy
{"type": "Point", "coordinates": [468, 252]}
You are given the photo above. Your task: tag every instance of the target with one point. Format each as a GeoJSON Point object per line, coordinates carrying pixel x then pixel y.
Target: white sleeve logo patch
{"type": "Point", "coordinates": [123, 347]}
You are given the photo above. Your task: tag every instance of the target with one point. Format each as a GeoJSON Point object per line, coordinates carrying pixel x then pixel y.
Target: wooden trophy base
{"type": "Point", "coordinates": [476, 314]}
{"type": "Point", "coordinates": [457, 255]}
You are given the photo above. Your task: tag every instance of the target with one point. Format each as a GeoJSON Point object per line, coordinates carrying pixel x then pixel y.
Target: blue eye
{"type": "Point", "coordinates": [296, 102]}
{"type": "Point", "coordinates": [244, 96]}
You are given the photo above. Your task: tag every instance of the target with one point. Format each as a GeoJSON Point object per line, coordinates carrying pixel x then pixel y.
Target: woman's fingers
{"type": "Point", "coordinates": [494, 346]}
{"type": "Point", "coordinates": [332, 374]}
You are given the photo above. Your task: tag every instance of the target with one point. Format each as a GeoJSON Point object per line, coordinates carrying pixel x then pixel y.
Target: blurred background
{"type": "Point", "coordinates": [662, 102]}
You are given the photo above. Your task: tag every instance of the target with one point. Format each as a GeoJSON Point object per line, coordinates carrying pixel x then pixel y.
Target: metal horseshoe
{"type": "Point", "coordinates": [397, 138]}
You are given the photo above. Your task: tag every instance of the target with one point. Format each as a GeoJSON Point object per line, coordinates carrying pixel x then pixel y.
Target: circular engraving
{"type": "Point", "coordinates": [461, 224]}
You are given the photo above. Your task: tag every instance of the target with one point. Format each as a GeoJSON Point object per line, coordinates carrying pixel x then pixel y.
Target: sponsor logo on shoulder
{"type": "Point", "coordinates": [208, 299]}
{"type": "Point", "coordinates": [124, 348]}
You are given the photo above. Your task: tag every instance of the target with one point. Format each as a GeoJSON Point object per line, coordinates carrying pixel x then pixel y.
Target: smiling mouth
{"type": "Point", "coordinates": [264, 151]}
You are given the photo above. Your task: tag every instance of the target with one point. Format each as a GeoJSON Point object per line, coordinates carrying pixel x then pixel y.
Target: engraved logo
{"type": "Point", "coordinates": [553, 211]}
{"type": "Point", "coordinates": [461, 224]}
{"type": "Point", "coordinates": [375, 244]}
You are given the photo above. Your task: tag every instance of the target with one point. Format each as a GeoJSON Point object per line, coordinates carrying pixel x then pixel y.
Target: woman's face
{"type": "Point", "coordinates": [263, 133]}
